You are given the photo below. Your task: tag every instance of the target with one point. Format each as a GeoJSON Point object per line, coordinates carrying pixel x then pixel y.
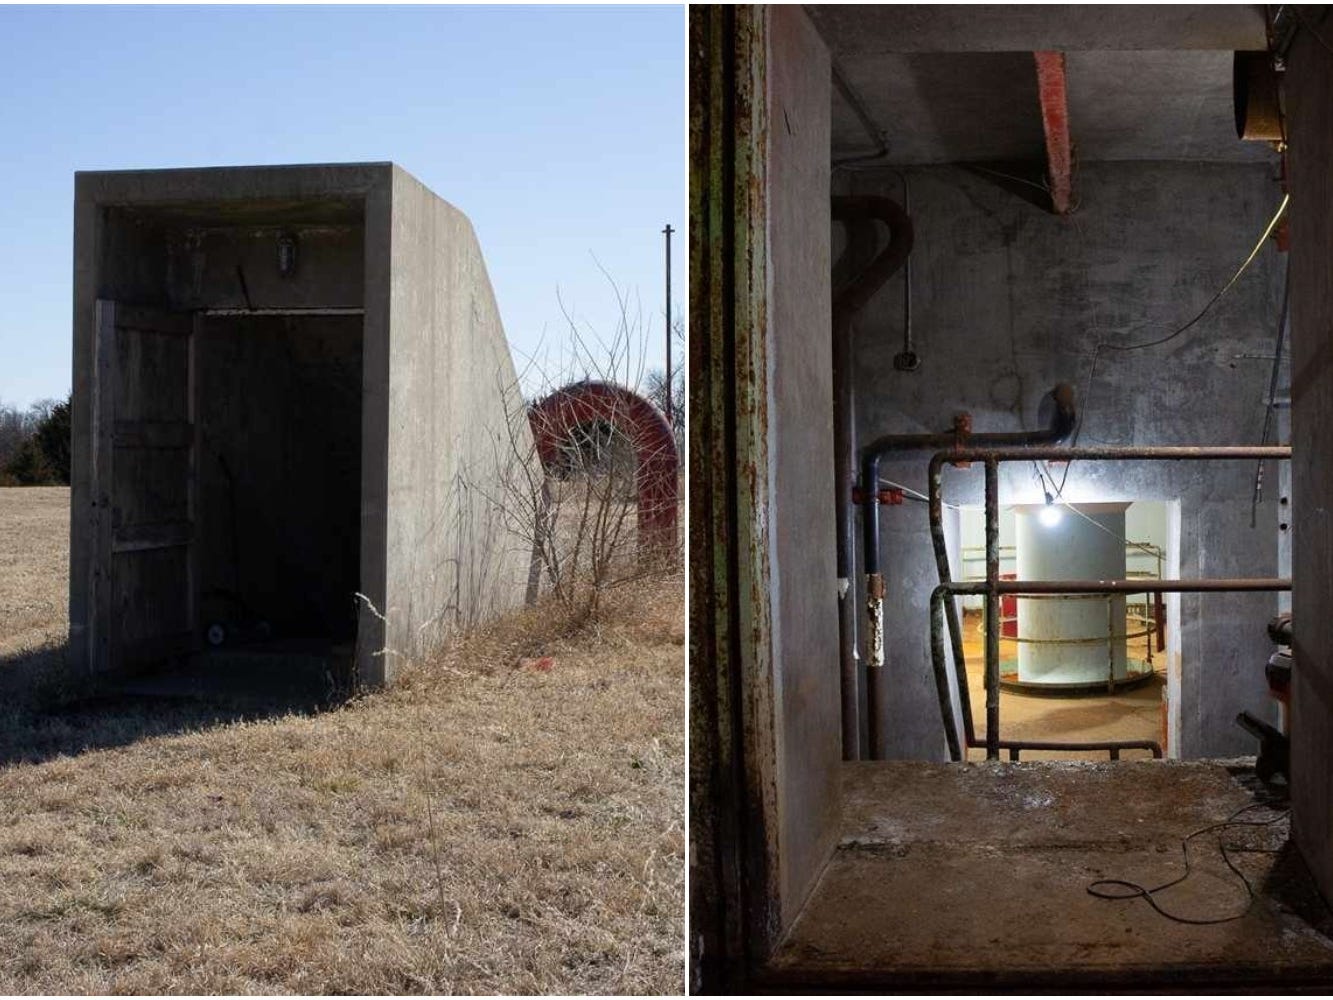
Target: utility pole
{"type": "Point", "coordinates": [670, 385]}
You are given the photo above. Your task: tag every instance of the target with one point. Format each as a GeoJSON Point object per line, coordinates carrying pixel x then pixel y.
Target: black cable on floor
{"type": "Point", "coordinates": [1136, 891]}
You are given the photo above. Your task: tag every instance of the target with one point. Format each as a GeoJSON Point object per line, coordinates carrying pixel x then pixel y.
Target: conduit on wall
{"type": "Point", "coordinates": [1063, 419]}
{"type": "Point", "coordinates": [850, 298]}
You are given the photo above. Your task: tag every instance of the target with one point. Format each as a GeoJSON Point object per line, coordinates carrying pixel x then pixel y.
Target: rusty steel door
{"type": "Point", "coordinates": [143, 460]}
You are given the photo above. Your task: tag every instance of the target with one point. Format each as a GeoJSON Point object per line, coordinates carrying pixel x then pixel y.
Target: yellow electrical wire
{"type": "Point", "coordinates": [1096, 351]}
{"type": "Point", "coordinates": [1277, 217]}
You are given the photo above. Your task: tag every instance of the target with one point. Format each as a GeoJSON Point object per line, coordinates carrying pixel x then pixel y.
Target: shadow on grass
{"type": "Point", "coordinates": [46, 713]}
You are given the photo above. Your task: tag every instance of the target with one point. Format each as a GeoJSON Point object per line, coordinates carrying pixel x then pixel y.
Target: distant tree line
{"type": "Point", "coordinates": [658, 390]}
{"type": "Point", "coordinates": [34, 444]}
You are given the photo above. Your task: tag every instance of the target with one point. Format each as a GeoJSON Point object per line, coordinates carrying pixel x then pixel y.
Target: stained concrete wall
{"type": "Point", "coordinates": [330, 266]}
{"type": "Point", "coordinates": [1008, 300]}
{"type": "Point", "coordinates": [801, 526]}
{"type": "Point", "coordinates": [434, 553]}
{"type": "Point", "coordinates": [454, 558]}
{"type": "Point", "coordinates": [142, 237]}
{"type": "Point", "coordinates": [1310, 105]}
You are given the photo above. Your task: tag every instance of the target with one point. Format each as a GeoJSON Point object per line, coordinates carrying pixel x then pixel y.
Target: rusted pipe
{"type": "Point", "coordinates": [1137, 586]}
{"type": "Point", "coordinates": [1113, 746]}
{"type": "Point", "coordinates": [940, 545]}
{"type": "Point", "coordinates": [1062, 424]}
{"type": "Point", "coordinates": [1063, 419]}
{"type": "Point", "coordinates": [848, 300]}
{"type": "Point", "coordinates": [1112, 453]}
{"type": "Point", "coordinates": [942, 682]}
{"type": "Point", "coordinates": [555, 417]}
{"type": "Point", "coordinates": [992, 609]}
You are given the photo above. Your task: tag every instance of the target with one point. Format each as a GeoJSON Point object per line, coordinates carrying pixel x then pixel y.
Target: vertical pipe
{"type": "Point", "coordinates": [909, 345]}
{"type": "Point", "coordinates": [937, 599]}
{"type": "Point", "coordinates": [1149, 607]}
{"type": "Point", "coordinates": [848, 300]}
{"type": "Point", "coordinates": [936, 498]}
{"type": "Point", "coordinates": [844, 466]}
{"type": "Point", "coordinates": [670, 387]}
{"type": "Point", "coordinates": [870, 530]}
{"type": "Point", "coordinates": [992, 609]}
{"type": "Point", "coordinates": [1110, 643]}
{"type": "Point", "coordinates": [874, 602]}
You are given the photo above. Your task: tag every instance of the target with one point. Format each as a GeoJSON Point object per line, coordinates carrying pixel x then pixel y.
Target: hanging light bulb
{"type": "Point", "coordinates": [1051, 514]}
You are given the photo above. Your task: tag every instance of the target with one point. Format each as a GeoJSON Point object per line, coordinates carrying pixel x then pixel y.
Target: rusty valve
{"type": "Point", "coordinates": [886, 497]}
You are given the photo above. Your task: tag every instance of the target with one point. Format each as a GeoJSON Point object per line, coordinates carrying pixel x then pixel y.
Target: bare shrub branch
{"type": "Point", "coordinates": [579, 517]}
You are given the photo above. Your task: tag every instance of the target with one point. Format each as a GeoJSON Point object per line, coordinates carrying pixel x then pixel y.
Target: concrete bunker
{"type": "Point", "coordinates": [284, 421]}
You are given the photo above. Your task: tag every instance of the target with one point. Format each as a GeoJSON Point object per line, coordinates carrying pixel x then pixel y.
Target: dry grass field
{"type": "Point", "coordinates": [479, 828]}
{"type": "Point", "coordinates": [34, 568]}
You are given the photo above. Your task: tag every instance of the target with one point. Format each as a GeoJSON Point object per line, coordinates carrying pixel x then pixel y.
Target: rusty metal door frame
{"type": "Point", "coordinates": [734, 897]}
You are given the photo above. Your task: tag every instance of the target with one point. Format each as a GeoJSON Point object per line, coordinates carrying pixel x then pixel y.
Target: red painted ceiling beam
{"type": "Point", "coordinates": [1055, 122]}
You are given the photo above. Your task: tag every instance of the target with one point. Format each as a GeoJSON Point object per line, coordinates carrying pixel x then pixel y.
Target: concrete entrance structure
{"type": "Point", "coordinates": [288, 386]}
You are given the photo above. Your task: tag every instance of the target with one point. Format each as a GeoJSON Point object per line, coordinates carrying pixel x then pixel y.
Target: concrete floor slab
{"type": "Point", "coordinates": [976, 876]}
{"type": "Point", "coordinates": [296, 673]}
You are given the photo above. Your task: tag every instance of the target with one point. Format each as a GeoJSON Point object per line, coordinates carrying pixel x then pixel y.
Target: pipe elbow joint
{"type": "Point", "coordinates": [1066, 413]}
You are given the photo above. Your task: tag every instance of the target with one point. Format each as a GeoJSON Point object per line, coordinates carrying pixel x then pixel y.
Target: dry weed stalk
{"type": "Point", "coordinates": [579, 515]}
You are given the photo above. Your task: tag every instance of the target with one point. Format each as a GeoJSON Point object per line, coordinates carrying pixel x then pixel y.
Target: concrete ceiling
{"type": "Point", "coordinates": [947, 84]}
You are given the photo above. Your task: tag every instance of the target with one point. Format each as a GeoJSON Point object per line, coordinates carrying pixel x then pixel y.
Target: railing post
{"type": "Point", "coordinates": [992, 609]}
{"type": "Point", "coordinates": [1110, 643]}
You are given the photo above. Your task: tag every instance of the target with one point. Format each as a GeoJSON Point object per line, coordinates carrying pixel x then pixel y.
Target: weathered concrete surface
{"type": "Point", "coordinates": [801, 525]}
{"type": "Point", "coordinates": [420, 341]}
{"type": "Point", "coordinates": [1007, 301]}
{"type": "Point", "coordinates": [948, 84]}
{"type": "Point", "coordinates": [871, 30]}
{"type": "Point", "coordinates": [976, 877]}
{"type": "Point", "coordinates": [1310, 96]}
{"type": "Point", "coordinates": [453, 558]}
{"type": "Point", "coordinates": [173, 239]}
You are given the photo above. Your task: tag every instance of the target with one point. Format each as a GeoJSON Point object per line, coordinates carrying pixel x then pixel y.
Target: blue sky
{"type": "Point", "coordinates": [559, 131]}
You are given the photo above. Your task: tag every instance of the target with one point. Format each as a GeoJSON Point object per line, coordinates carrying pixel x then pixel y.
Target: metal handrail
{"type": "Point", "coordinates": [993, 587]}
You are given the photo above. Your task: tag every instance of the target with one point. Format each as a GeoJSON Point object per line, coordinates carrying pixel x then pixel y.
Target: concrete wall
{"type": "Point", "coordinates": [1008, 300]}
{"type": "Point", "coordinates": [452, 557]}
{"type": "Point", "coordinates": [801, 527]}
{"type": "Point", "coordinates": [330, 266]}
{"type": "Point", "coordinates": [144, 237]}
{"type": "Point", "coordinates": [1310, 105]}
{"type": "Point", "coordinates": [433, 369]}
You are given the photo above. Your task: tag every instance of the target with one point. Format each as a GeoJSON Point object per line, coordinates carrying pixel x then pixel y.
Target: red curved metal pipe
{"type": "Point", "coordinates": [656, 460]}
